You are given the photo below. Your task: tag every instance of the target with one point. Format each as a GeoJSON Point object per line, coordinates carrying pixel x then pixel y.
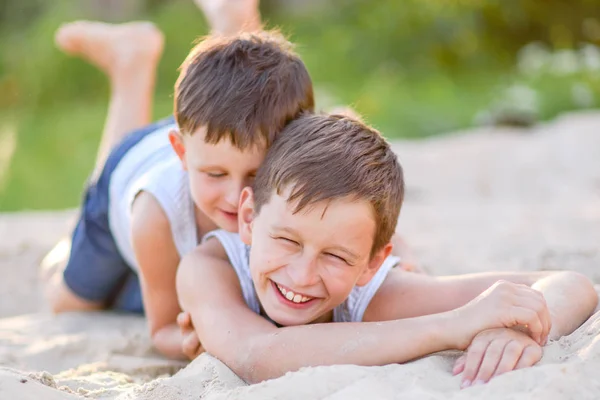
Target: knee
{"type": "Point", "coordinates": [60, 298]}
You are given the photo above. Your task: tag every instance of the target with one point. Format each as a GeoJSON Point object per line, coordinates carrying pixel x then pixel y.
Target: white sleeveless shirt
{"type": "Point", "coordinates": [351, 310]}
{"type": "Point", "coordinates": [152, 166]}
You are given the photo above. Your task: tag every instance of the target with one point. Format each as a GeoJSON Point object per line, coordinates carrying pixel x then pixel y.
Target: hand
{"type": "Point", "coordinates": [494, 352]}
{"type": "Point", "coordinates": [507, 305]}
{"type": "Point", "coordinates": [190, 344]}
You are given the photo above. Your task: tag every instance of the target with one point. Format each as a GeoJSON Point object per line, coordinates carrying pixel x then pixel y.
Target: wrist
{"type": "Point", "coordinates": [459, 327]}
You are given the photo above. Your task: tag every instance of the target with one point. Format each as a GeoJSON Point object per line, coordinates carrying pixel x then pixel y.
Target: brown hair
{"type": "Point", "coordinates": [245, 88]}
{"type": "Point", "coordinates": [324, 157]}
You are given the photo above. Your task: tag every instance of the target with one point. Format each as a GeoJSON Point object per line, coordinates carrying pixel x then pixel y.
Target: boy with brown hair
{"type": "Point", "coordinates": [166, 185]}
{"type": "Point", "coordinates": [314, 247]}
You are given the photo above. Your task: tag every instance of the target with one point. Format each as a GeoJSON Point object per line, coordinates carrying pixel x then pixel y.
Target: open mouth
{"type": "Point", "coordinates": [291, 296]}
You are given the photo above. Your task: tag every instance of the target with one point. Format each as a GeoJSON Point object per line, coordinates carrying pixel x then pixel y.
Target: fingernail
{"type": "Point", "coordinates": [478, 382]}
{"type": "Point", "coordinates": [465, 384]}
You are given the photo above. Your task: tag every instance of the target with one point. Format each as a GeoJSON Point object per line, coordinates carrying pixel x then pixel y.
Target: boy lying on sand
{"type": "Point", "coordinates": [313, 248]}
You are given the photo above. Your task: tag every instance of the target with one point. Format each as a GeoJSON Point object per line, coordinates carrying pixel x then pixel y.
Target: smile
{"type": "Point", "coordinates": [291, 296]}
{"type": "Point", "coordinates": [230, 214]}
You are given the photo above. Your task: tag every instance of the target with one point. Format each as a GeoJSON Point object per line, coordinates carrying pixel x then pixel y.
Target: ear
{"type": "Point", "coordinates": [178, 145]}
{"type": "Point", "coordinates": [246, 215]}
{"type": "Point", "coordinates": [374, 265]}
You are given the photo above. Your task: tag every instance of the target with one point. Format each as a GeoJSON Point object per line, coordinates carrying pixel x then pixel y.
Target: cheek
{"type": "Point", "coordinates": [265, 257]}
{"type": "Point", "coordinates": [205, 192]}
{"type": "Point", "coordinates": [339, 281]}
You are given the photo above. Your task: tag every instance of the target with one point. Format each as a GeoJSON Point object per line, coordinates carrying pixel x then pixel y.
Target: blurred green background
{"type": "Point", "coordinates": [413, 68]}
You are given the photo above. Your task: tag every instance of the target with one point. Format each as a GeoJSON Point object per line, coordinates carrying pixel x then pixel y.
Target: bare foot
{"type": "Point", "coordinates": [114, 48]}
{"type": "Point", "coordinates": [228, 17]}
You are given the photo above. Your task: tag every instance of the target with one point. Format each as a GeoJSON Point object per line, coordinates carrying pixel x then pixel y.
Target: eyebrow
{"type": "Point", "coordinates": [285, 229]}
{"type": "Point", "coordinates": [345, 250]}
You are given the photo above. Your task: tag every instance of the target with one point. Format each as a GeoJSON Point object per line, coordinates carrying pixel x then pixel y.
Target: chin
{"type": "Point", "coordinates": [227, 225]}
{"type": "Point", "coordinates": [288, 320]}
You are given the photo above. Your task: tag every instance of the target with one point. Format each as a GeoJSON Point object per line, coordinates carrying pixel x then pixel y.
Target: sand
{"type": "Point", "coordinates": [485, 199]}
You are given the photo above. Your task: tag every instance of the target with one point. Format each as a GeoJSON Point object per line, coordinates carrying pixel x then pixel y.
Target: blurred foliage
{"type": "Point", "coordinates": [413, 68]}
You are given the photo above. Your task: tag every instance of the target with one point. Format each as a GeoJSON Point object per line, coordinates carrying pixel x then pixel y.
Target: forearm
{"type": "Point", "coordinates": [168, 340]}
{"type": "Point", "coordinates": [571, 299]}
{"type": "Point", "coordinates": [368, 343]}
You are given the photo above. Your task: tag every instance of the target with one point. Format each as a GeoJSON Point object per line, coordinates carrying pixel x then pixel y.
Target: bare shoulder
{"type": "Point", "coordinates": [205, 274]}
{"type": "Point", "coordinates": [152, 237]}
{"type": "Point", "coordinates": [211, 247]}
{"type": "Point", "coordinates": [147, 213]}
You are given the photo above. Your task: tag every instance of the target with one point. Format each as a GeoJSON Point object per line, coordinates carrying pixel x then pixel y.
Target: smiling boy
{"type": "Point", "coordinates": [313, 248]}
{"type": "Point", "coordinates": [164, 186]}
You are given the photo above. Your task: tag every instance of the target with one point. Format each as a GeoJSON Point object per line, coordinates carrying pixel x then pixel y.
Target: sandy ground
{"type": "Point", "coordinates": [478, 200]}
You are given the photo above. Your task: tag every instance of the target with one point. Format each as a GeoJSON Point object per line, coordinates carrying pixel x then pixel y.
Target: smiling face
{"type": "Point", "coordinates": [305, 264]}
{"type": "Point", "coordinates": [217, 173]}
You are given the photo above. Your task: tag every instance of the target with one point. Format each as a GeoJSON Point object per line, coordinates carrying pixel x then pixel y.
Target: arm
{"type": "Point", "coordinates": [256, 350]}
{"type": "Point", "coordinates": [497, 351]}
{"type": "Point", "coordinates": [570, 297]}
{"type": "Point", "coordinates": [157, 258]}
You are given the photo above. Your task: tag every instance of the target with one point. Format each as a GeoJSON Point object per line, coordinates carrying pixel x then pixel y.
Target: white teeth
{"type": "Point", "coordinates": [291, 296]}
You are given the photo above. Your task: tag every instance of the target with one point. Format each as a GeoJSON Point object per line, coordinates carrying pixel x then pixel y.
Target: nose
{"type": "Point", "coordinates": [234, 190]}
{"type": "Point", "coordinates": [303, 271]}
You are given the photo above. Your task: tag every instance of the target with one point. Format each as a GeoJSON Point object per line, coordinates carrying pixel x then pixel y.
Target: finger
{"type": "Point", "coordinates": [510, 356]}
{"type": "Point", "coordinates": [534, 300]}
{"type": "Point", "coordinates": [474, 357]}
{"type": "Point", "coordinates": [530, 318]}
{"type": "Point", "coordinates": [459, 365]}
{"type": "Point", "coordinates": [190, 345]}
{"type": "Point", "coordinates": [541, 307]}
{"type": "Point", "coordinates": [530, 356]}
{"type": "Point", "coordinates": [199, 351]}
{"type": "Point", "coordinates": [182, 318]}
{"type": "Point", "coordinates": [548, 318]}
{"type": "Point", "coordinates": [490, 361]}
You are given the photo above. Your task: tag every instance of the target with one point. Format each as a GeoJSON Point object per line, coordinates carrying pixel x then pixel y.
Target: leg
{"type": "Point", "coordinates": [128, 54]}
{"type": "Point", "coordinates": [228, 17]}
{"type": "Point", "coordinates": [88, 272]}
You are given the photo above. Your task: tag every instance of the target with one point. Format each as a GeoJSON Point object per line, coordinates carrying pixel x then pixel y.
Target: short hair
{"type": "Point", "coordinates": [245, 88]}
{"type": "Point", "coordinates": [325, 157]}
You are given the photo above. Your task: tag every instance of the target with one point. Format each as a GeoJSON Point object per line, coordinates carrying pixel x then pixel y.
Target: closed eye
{"type": "Point", "coordinates": [286, 240]}
{"type": "Point", "coordinates": [337, 257]}
{"type": "Point", "coordinates": [216, 174]}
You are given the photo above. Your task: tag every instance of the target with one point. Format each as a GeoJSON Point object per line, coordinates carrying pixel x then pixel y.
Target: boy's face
{"type": "Point", "coordinates": [217, 174]}
{"type": "Point", "coordinates": [305, 264]}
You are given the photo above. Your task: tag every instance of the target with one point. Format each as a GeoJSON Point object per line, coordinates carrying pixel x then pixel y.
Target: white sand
{"type": "Point", "coordinates": [479, 200]}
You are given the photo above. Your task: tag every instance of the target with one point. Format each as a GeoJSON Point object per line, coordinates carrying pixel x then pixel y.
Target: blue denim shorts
{"type": "Point", "coordinates": [96, 271]}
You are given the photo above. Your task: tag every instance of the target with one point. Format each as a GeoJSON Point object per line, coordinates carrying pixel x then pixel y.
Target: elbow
{"type": "Point", "coordinates": [583, 288]}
